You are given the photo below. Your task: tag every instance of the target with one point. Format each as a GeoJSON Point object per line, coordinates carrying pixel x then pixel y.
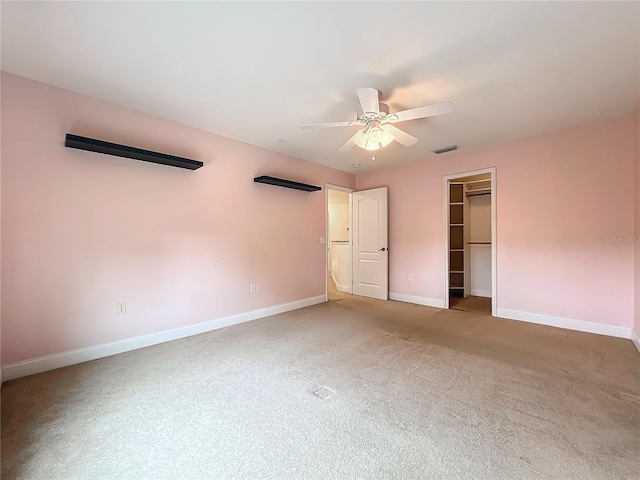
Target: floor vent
{"type": "Point", "coordinates": [324, 393]}
{"type": "Point", "coordinates": [450, 148]}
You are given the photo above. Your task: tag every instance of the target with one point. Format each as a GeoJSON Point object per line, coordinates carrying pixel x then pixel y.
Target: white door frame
{"type": "Point", "coordinates": [328, 187]}
{"type": "Point", "coordinates": [494, 245]}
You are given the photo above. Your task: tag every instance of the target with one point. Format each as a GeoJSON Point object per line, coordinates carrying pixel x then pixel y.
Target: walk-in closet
{"type": "Point", "coordinates": [470, 252]}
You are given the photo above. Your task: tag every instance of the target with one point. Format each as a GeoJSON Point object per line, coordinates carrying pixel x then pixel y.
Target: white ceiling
{"type": "Point", "coordinates": [257, 71]}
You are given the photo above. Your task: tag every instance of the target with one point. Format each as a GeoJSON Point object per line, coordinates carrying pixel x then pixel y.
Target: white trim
{"type": "Point", "coordinates": [350, 263]}
{"type": "Point", "coordinates": [339, 188]}
{"type": "Point", "coordinates": [635, 338]}
{"type": "Point", "coordinates": [494, 241]}
{"type": "Point", "coordinates": [429, 302]}
{"type": "Point", "coordinates": [481, 293]}
{"type": "Point", "coordinates": [72, 357]}
{"type": "Point", "coordinates": [568, 323]}
{"type": "Point", "coordinates": [560, 322]}
{"type": "Point", "coordinates": [340, 288]}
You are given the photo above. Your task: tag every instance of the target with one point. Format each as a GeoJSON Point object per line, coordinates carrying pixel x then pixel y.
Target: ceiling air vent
{"type": "Point", "coordinates": [450, 148]}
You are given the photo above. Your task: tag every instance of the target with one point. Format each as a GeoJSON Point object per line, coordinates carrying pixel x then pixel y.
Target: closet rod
{"type": "Point", "coordinates": [471, 194]}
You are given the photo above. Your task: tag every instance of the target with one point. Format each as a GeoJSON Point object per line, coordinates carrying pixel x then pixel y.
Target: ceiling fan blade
{"type": "Point", "coordinates": [422, 112]}
{"type": "Point", "coordinates": [401, 136]}
{"type": "Point", "coordinates": [369, 100]}
{"type": "Point", "coordinates": [350, 143]}
{"type": "Point", "coordinates": [332, 124]}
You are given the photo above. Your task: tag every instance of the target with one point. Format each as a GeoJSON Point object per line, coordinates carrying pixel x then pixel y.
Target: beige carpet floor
{"type": "Point", "coordinates": [401, 391]}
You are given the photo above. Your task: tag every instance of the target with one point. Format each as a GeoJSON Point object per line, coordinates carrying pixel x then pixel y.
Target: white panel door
{"type": "Point", "coordinates": [370, 243]}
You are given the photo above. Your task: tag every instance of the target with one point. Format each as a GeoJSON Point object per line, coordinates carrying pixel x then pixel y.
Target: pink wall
{"type": "Point", "coordinates": [558, 195]}
{"type": "Point", "coordinates": [82, 231]}
{"type": "Point", "coordinates": [636, 325]}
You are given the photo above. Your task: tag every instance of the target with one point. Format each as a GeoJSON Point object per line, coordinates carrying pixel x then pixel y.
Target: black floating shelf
{"type": "Point", "coordinates": [280, 182]}
{"type": "Point", "coordinates": [92, 145]}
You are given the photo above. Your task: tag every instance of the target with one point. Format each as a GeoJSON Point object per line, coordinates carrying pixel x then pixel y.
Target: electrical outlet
{"type": "Point", "coordinates": [411, 276]}
{"type": "Point", "coordinates": [121, 308]}
{"type": "Point", "coordinates": [323, 240]}
{"type": "Point", "coordinates": [252, 288]}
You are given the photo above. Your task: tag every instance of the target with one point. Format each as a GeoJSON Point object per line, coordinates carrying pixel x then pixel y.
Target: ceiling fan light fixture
{"type": "Point", "coordinates": [373, 138]}
{"type": "Point", "coordinates": [379, 131]}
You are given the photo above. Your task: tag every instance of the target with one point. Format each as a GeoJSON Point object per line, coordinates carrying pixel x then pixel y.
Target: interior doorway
{"type": "Point", "coordinates": [339, 255]}
{"type": "Point", "coordinates": [357, 243]}
{"type": "Point", "coordinates": [470, 241]}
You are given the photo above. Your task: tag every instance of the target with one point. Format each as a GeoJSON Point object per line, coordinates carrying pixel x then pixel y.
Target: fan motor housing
{"type": "Point", "coordinates": [383, 107]}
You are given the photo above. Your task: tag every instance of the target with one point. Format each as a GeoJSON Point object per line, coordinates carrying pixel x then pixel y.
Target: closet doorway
{"type": "Point", "coordinates": [470, 241]}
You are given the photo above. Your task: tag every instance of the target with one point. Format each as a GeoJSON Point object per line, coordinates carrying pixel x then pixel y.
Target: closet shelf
{"type": "Point", "coordinates": [473, 182]}
{"type": "Point", "coordinates": [456, 231]}
{"type": "Point", "coordinates": [478, 243]}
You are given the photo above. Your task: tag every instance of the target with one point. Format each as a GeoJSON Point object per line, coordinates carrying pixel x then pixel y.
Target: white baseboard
{"type": "Point", "coordinates": [72, 357]}
{"type": "Point", "coordinates": [481, 293]}
{"type": "Point", "coordinates": [635, 338]}
{"type": "Point", "coordinates": [429, 302]}
{"type": "Point", "coordinates": [568, 323]}
{"type": "Point", "coordinates": [340, 288]}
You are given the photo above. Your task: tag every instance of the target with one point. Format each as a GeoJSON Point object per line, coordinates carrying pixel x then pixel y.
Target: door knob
{"type": "Point", "coordinates": [382, 249]}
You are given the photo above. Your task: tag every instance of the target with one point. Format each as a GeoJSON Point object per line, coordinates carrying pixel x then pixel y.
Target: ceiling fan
{"type": "Point", "coordinates": [379, 131]}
